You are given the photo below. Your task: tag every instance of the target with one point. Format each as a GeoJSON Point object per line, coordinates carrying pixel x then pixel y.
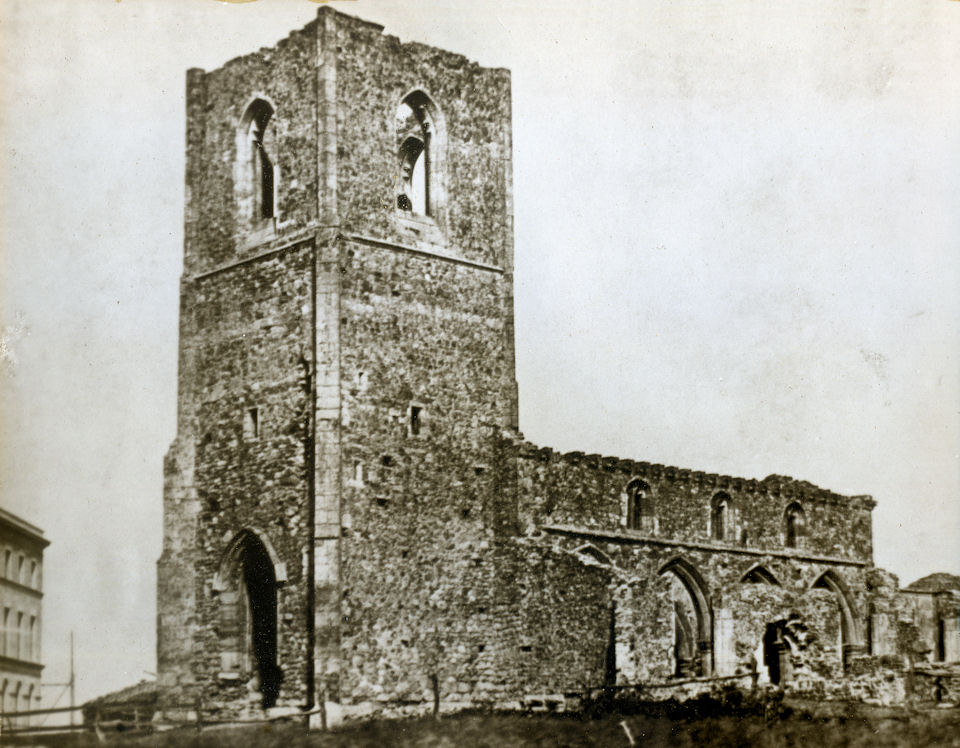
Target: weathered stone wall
{"type": "Point", "coordinates": [374, 72]}
{"type": "Point", "coordinates": [246, 336]}
{"type": "Point", "coordinates": [491, 621]}
{"type": "Point", "coordinates": [589, 491]}
{"type": "Point", "coordinates": [920, 616]}
{"type": "Point", "coordinates": [217, 231]}
{"type": "Point", "coordinates": [734, 610]}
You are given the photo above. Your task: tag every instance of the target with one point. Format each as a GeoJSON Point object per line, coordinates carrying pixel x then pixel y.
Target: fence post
{"type": "Point", "coordinates": [199, 706]}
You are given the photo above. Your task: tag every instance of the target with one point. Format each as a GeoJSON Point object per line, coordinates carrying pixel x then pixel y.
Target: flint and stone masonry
{"type": "Point", "coordinates": [351, 516]}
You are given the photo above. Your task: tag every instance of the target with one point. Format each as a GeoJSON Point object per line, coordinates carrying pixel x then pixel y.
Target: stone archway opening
{"type": "Point", "coordinates": [776, 653]}
{"type": "Point", "coordinates": [851, 642]}
{"type": "Point", "coordinates": [248, 617]}
{"type": "Point", "coordinates": [692, 620]}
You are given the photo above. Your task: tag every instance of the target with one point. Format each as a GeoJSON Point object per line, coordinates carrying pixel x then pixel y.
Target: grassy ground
{"type": "Point", "coordinates": [683, 728]}
{"type": "Point", "coordinates": [548, 731]}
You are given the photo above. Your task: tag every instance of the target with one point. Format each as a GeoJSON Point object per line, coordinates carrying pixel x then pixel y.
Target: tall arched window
{"type": "Point", "coordinates": [793, 521]}
{"type": "Point", "coordinates": [420, 139]}
{"type": "Point", "coordinates": [256, 172]}
{"type": "Point", "coordinates": [720, 520]}
{"type": "Point", "coordinates": [640, 511]}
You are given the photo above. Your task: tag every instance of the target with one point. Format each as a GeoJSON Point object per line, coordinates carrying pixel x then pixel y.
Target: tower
{"type": "Point", "coordinates": [346, 356]}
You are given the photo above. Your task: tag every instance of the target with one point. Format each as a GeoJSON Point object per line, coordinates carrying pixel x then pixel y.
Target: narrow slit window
{"type": "Point", "coordinates": [415, 420]}
{"type": "Point", "coordinates": [251, 423]}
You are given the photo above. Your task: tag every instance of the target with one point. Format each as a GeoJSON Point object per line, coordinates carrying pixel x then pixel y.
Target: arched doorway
{"type": "Point", "coordinates": [248, 616]}
{"type": "Point", "coordinates": [776, 653]}
{"type": "Point", "coordinates": [850, 639]}
{"type": "Point", "coordinates": [693, 620]}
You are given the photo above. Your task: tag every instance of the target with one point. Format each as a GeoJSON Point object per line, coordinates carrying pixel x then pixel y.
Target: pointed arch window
{"type": "Point", "coordinates": [794, 525]}
{"type": "Point", "coordinates": [720, 517]}
{"type": "Point", "coordinates": [256, 163]}
{"type": "Point", "coordinates": [420, 141]}
{"type": "Point", "coordinates": [640, 508]}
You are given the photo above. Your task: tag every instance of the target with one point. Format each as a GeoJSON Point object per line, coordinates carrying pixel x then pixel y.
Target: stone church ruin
{"type": "Point", "coordinates": [351, 515]}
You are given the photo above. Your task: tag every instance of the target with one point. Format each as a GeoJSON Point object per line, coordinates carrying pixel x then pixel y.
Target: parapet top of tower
{"type": "Point", "coordinates": [451, 58]}
{"type": "Point", "coordinates": [339, 125]}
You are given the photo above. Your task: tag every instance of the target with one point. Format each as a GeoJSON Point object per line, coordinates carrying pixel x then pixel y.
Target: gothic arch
{"type": "Point", "coordinates": [699, 597]}
{"type": "Point", "coordinates": [248, 579]}
{"type": "Point", "coordinates": [721, 517]}
{"type": "Point", "coordinates": [256, 175]}
{"type": "Point", "coordinates": [794, 525]}
{"type": "Point", "coordinates": [421, 145]}
{"type": "Point", "coordinates": [591, 551]}
{"type": "Point", "coordinates": [758, 574]}
{"type": "Point", "coordinates": [640, 510]}
{"type": "Point", "coordinates": [850, 636]}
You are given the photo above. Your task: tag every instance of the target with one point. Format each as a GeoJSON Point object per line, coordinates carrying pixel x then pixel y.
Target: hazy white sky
{"type": "Point", "coordinates": [737, 236]}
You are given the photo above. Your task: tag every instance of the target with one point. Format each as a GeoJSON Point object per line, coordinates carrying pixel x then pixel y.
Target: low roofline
{"type": "Point", "coordinates": [19, 524]}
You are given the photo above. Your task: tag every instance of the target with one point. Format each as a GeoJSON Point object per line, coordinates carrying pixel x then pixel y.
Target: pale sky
{"type": "Point", "coordinates": [737, 236]}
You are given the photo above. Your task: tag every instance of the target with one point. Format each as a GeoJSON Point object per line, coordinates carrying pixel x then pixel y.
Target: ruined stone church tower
{"type": "Point", "coordinates": [350, 513]}
{"type": "Point", "coordinates": [346, 347]}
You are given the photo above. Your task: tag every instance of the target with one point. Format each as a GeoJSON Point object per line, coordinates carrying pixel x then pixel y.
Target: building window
{"type": "Point", "coordinates": [415, 424]}
{"type": "Point", "coordinates": [640, 511]}
{"type": "Point", "coordinates": [793, 525]}
{"type": "Point", "coordinates": [256, 170]}
{"type": "Point", "coordinates": [17, 649]}
{"type": "Point", "coordinates": [720, 520]}
{"type": "Point", "coordinates": [251, 423]}
{"type": "Point", "coordinates": [420, 137]}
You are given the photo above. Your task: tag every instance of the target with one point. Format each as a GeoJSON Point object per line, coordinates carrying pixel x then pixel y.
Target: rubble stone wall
{"type": "Point", "coordinates": [374, 72]}
{"type": "Point", "coordinates": [216, 229]}
{"type": "Point", "coordinates": [590, 491]}
{"type": "Point", "coordinates": [245, 338]}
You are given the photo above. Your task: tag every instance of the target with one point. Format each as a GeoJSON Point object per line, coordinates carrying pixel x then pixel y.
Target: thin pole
{"type": "Point", "coordinates": [72, 704]}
